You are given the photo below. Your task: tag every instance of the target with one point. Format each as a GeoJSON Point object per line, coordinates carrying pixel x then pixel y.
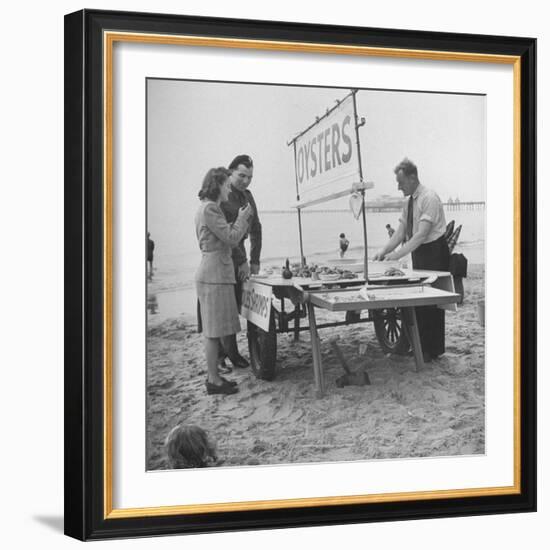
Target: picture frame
{"type": "Point", "coordinates": [90, 161]}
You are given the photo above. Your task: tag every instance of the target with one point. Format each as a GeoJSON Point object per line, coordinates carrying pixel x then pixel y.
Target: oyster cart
{"type": "Point", "coordinates": [387, 302]}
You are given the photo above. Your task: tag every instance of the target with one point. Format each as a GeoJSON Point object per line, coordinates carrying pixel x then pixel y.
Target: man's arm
{"type": "Point", "coordinates": [238, 253]}
{"type": "Point", "coordinates": [429, 208]}
{"type": "Point", "coordinates": [416, 240]}
{"type": "Point", "coordinates": [395, 241]}
{"type": "Point", "coordinates": [255, 234]}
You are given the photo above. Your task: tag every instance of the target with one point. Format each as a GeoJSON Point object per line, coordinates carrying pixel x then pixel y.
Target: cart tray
{"type": "Point", "coordinates": [377, 298]}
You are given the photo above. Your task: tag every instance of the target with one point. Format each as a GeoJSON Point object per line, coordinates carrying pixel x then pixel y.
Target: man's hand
{"type": "Point", "coordinates": [391, 257]}
{"type": "Point", "coordinates": [379, 256]}
{"type": "Point", "coordinates": [254, 269]}
{"type": "Point", "coordinates": [244, 271]}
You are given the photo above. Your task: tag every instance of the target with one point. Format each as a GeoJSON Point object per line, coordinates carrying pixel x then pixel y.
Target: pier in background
{"type": "Point", "coordinates": [393, 207]}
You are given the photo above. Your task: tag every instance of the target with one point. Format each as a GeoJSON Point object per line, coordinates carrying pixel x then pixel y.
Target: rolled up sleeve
{"type": "Point", "coordinates": [429, 210]}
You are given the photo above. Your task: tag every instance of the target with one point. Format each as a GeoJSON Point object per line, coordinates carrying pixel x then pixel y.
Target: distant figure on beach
{"type": "Point", "coordinates": [242, 170]}
{"type": "Point", "coordinates": [422, 228]}
{"type": "Point", "coordinates": [188, 446]}
{"type": "Point", "coordinates": [152, 304]}
{"type": "Point", "coordinates": [390, 230]}
{"type": "Point", "coordinates": [218, 316]}
{"type": "Point", "coordinates": [150, 249]}
{"type": "Point", "coordinates": [344, 243]}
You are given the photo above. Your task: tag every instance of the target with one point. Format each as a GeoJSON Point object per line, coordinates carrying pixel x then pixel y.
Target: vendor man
{"type": "Point", "coordinates": [422, 232]}
{"type": "Point", "coordinates": [242, 169]}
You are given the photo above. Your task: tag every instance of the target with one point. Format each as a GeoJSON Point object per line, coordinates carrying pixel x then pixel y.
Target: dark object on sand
{"type": "Point", "coordinates": [360, 378]}
{"type": "Point", "coordinates": [458, 266]}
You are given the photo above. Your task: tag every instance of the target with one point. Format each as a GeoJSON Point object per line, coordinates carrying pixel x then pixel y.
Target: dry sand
{"type": "Point", "coordinates": [439, 411]}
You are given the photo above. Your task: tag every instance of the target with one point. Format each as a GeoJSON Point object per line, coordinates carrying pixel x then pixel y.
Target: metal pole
{"type": "Point", "coordinates": [299, 209]}
{"type": "Point", "coordinates": [365, 240]}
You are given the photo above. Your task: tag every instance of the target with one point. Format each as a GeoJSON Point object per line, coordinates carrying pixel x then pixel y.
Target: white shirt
{"type": "Point", "coordinates": [426, 206]}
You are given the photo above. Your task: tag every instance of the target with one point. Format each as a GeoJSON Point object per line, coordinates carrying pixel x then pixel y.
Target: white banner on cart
{"type": "Point", "coordinates": [256, 304]}
{"type": "Point", "coordinates": [326, 162]}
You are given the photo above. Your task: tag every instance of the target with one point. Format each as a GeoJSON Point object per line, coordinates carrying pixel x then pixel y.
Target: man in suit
{"type": "Point", "coordinates": [422, 231]}
{"type": "Point", "coordinates": [242, 169]}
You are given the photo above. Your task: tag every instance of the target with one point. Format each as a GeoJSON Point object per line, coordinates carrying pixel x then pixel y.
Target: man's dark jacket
{"type": "Point", "coordinates": [230, 208]}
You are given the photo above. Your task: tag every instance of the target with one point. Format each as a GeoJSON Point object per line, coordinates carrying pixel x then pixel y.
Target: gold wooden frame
{"type": "Point", "coordinates": [109, 40]}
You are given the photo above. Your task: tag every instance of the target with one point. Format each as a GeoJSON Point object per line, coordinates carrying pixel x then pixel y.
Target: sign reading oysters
{"type": "Point", "coordinates": [326, 156]}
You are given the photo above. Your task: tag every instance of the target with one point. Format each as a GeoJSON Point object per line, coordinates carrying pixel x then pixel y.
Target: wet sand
{"type": "Point", "coordinates": [439, 411]}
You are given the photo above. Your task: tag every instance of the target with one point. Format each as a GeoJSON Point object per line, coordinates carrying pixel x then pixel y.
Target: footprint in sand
{"type": "Point", "coordinates": [166, 385]}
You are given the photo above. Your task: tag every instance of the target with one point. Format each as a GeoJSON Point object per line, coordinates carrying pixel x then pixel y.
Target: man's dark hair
{"type": "Point", "coordinates": [245, 160]}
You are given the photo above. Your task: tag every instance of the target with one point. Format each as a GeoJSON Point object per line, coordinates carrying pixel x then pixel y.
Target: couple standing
{"type": "Point", "coordinates": [226, 217]}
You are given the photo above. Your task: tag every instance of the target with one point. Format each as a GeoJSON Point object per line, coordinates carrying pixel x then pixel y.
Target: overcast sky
{"type": "Point", "coordinates": [193, 126]}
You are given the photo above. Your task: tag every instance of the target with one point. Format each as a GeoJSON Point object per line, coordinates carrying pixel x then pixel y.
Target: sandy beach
{"type": "Point", "coordinates": [439, 411]}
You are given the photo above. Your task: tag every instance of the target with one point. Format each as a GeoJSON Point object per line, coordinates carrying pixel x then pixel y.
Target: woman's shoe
{"type": "Point", "coordinates": [224, 388]}
{"type": "Point", "coordinates": [226, 381]}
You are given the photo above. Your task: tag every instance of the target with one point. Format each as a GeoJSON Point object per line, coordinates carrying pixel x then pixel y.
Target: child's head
{"type": "Point", "coordinates": [342, 235]}
{"type": "Point", "coordinates": [188, 446]}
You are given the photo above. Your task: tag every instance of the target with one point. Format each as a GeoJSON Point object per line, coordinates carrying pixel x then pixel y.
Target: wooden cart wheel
{"type": "Point", "coordinates": [262, 347]}
{"type": "Point", "coordinates": [391, 330]}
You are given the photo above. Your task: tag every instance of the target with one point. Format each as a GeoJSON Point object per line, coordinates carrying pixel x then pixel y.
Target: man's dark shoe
{"type": "Point", "coordinates": [239, 361]}
{"type": "Point", "coordinates": [427, 357]}
{"type": "Point", "coordinates": [224, 388]}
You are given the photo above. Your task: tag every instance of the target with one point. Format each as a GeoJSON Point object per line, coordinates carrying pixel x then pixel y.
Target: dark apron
{"type": "Point", "coordinates": [431, 319]}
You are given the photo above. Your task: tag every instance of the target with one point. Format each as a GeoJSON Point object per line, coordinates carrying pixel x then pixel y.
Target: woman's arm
{"type": "Point", "coordinates": [216, 222]}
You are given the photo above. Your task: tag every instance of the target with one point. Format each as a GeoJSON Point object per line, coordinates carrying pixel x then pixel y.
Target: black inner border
{"type": "Point", "coordinates": [84, 274]}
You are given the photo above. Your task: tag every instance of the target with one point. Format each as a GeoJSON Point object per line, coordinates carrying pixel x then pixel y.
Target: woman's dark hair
{"type": "Point", "coordinates": [188, 446]}
{"type": "Point", "coordinates": [214, 179]}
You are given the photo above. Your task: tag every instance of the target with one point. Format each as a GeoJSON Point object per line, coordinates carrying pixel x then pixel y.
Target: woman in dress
{"type": "Point", "coordinates": [215, 278]}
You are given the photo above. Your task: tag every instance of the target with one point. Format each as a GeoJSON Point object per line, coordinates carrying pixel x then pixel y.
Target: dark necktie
{"type": "Point", "coordinates": [410, 219]}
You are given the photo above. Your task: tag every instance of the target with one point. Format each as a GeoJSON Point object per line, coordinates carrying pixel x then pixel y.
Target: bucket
{"type": "Point", "coordinates": [481, 312]}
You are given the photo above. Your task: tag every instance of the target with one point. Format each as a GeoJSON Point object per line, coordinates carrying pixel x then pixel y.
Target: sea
{"type": "Point", "coordinates": [170, 292]}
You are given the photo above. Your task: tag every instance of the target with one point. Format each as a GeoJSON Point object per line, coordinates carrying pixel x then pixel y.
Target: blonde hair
{"type": "Point", "coordinates": [188, 446]}
{"type": "Point", "coordinates": [408, 167]}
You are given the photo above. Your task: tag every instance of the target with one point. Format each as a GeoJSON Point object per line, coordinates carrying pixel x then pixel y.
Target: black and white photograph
{"type": "Point", "coordinates": [170, 380]}
{"type": "Point", "coordinates": [314, 264]}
